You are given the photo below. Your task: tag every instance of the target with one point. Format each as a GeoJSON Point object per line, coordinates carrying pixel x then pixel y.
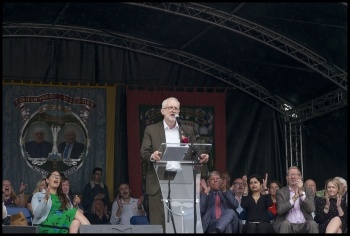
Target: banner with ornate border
{"type": "Point", "coordinates": [40, 119]}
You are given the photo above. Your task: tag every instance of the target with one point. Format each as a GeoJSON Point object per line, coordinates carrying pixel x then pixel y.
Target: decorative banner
{"type": "Point", "coordinates": [40, 123]}
{"type": "Point", "coordinates": [44, 133]}
{"type": "Point", "coordinates": [204, 111]}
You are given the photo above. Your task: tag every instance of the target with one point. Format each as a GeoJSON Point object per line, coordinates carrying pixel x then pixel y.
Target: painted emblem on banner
{"type": "Point", "coordinates": [54, 136]}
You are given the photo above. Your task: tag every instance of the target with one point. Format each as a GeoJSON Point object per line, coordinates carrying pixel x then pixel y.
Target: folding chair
{"type": "Point", "coordinates": [24, 210]}
{"type": "Point", "coordinates": [139, 220]}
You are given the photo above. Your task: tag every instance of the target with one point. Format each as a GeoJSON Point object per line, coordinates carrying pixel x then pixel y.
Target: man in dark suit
{"type": "Point", "coordinates": [311, 184]}
{"type": "Point", "coordinates": [166, 131]}
{"type": "Point", "coordinates": [39, 147]}
{"type": "Point", "coordinates": [227, 220]}
{"type": "Point", "coordinates": [70, 148]}
{"type": "Point", "coordinates": [295, 203]}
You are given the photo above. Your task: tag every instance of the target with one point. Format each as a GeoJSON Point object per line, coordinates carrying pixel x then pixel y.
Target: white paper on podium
{"type": "Point", "coordinates": [173, 166]}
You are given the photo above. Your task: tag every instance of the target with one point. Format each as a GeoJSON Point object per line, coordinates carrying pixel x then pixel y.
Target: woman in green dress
{"type": "Point", "coordinates": [53, 212]}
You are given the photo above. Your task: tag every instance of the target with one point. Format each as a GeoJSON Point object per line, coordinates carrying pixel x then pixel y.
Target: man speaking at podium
{"type": "Point", "coordinates": [166, 131]}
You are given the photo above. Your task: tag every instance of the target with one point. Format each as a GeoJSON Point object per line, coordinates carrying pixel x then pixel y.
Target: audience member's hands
{"type": "Point", "coordinates": [296, 195]}
{"type": "Point", "coordinates": [300, 184]}
{"type": "Point", "coordinates": [245, 179]}
{"type": "Point", "coordinates": [47, 194]}
{"type": "Point", "coordinates": [265, 182]}
{"type": "Point", "coordinates": [339, 197]}
{"type": "Point", "coordinates": [22, 187]}
{"type": "Point", "coordinates": [76, 200]}
{"type": "Point", "coordinates": [105, 210]}
{"type": "Point", "coordinates": [119, 202]}
{"type": "Point", "coordinates": [140, 201]}
{"type": "Point", "coordinates": [100, 196]}
{"type": "Point", "coordinates": [206, 188]}
{"type": "Point", "coordinates": [327, 199]}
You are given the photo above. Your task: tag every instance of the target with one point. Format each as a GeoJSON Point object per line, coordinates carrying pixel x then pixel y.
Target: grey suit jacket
{"type": "Point", "coordinates": [153, 137]}
{"type": "Point", "coordinates": [283, 204]}
{"type": "Point", "coordinates": [207, 205]}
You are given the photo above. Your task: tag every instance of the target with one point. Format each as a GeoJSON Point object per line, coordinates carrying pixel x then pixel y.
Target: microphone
{"type": "Point", "coordinates": [178, 119]}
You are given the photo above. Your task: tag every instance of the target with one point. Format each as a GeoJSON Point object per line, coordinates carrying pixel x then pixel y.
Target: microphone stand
{"type": "Point", "coordinates": [193, 152]}
{"type": "Point", "coordinates": [170, 213]}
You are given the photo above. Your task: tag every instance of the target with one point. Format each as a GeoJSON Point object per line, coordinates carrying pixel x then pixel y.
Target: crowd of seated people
{"type": "Point", "coordinates": [294, 208]}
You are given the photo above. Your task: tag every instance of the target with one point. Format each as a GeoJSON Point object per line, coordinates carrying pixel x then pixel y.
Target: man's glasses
{"type": "Point", "coordinates": [171, 108]}
{"type": "Point", "coordinates": [294, 174]}
{"type": "Point", "coordinates": [236, 183]}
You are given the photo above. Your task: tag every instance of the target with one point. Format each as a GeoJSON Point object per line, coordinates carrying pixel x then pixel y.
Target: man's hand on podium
{"type": "Point", "coordinates": [156, 156]}
{"type": "Point", "coordinates": [203, 158]}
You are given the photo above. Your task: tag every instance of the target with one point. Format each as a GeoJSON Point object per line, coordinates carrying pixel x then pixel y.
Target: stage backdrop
{"type": "Point", "coordinates": [45, 111]}
{"type": "Point", "coordinates": [204, 110]}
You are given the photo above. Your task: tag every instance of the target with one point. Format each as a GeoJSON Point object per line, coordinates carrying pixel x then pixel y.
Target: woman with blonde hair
{"type": "Point", "coordinates": [331, 209]}
{"type": "Point", "coordinates": [98, 214]}
{"type": "Point", "coordinates": [40, 187]}
{"type": "Point", "coordinates": [10, 197]}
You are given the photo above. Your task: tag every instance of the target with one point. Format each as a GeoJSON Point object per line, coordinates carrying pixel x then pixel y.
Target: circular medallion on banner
{"type": "Point", "coordinates": [54, 137]}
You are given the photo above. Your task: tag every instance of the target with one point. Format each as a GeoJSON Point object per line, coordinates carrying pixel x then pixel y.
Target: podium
{"type": "Point", "coordinates": [179, 173]}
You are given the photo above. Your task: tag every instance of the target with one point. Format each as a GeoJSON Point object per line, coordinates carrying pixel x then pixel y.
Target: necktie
{"type": "Point", "coordinates": [66, 151]}
{"type": "Point", "coordinates": [217, 206]}
{"type": "Point", "coordinates": [38, 151]}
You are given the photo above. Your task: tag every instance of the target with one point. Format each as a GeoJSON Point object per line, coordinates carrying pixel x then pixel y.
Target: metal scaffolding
{"type": "Point", "coordinates": [293, 116]}
{"type": "Point", "coordinates": [294, 145]}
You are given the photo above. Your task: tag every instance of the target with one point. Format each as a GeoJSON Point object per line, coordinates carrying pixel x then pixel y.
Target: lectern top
{"type": "Point", "coordinates": [174, 153]}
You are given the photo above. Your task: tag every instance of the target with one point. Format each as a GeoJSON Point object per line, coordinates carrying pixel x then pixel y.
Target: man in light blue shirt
{"type": "Point", "coordinates": [124, 206]}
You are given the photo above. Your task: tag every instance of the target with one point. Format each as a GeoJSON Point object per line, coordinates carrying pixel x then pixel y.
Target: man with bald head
{"type": "Point", "coordinates": [310, 183]}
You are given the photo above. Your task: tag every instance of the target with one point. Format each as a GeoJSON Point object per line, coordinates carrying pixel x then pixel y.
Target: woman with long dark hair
{"type": "Point", "coordinates": [256, 205]}
{"type": "Point", "coordinates": [54, 213]}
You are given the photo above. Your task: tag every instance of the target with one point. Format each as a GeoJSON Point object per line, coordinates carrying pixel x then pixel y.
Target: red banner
{"type": "Point", "coordinates": [213, 110]}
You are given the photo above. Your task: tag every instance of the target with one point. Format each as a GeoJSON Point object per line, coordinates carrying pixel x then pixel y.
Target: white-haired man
{"type": "Point", "coordinates": [38, 147]}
